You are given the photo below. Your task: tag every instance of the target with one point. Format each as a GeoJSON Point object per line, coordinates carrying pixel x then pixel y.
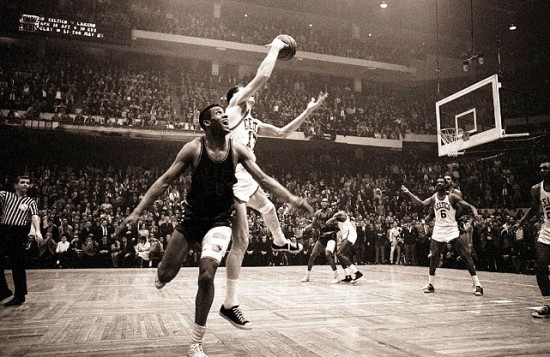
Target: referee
{"type": "Point", "coordinates": [18, 212]}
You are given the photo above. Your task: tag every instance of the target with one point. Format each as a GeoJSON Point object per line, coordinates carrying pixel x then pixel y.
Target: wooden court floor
{"type": "Point", "coordinates": [118, 312]}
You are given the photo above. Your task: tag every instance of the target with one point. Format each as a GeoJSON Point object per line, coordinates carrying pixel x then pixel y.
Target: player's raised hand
{"type": "Point", "coordinates": [314, 104]}
{"type": "Point", "coordinates": [301, 206]}
{"type": "Point", "coordinates": [405, 190]}
{"type": "Point", "coordinates": [277, 43]}
{"type": "Point", "coordinates": [131, 220]}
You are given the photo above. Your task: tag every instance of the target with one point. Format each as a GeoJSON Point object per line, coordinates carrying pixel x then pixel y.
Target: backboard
{"type": "Point", "coordinates": [474, 111]}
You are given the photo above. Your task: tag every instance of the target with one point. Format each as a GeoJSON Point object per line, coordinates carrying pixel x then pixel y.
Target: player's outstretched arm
{"type": "Point", "coordinates": [462, 203]}
{"type": "Point", "coordinates": [262, 74]}
{"type": "Point", "coordinates": [312, 106]}
{"type": "Point", "coordinates": [183, 160]}
{"type": "Point", "coordinates": [312, 224]}
{"type": "Point", "coordinates": [415, 198]}
{"type": "Point", "coordinates": [269, 183]}
{"type": "Point", "coordinates": [532, 211]}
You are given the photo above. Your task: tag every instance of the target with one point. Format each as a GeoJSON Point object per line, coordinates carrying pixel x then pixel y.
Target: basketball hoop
{"type": "Point", "coordinates": [451, 137]}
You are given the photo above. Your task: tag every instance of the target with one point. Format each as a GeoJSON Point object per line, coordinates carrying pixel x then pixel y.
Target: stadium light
{"type": "Point", "coordinates": [511, 28]}
{"type": "Point", "coordinates": [384, 4]}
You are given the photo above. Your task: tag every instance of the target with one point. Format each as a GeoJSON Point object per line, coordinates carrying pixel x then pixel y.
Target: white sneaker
{"type": "Point", "coordinates": [195, 350]}
{"type": "Point", "coordinates": [335, 280]}
{"type": "Point", "coordinates": [305, 279]}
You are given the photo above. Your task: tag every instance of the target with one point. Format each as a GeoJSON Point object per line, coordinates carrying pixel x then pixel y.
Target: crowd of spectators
{"type": "Point", "coordinates": [143, 91]}
{"type": "Point", "coordinates": [249, 24]}
{"type": "Point", "coordinates": [82, 206]}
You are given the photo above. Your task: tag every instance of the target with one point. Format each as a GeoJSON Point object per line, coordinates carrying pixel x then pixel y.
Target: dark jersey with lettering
{"type": "Point", "coordinates": [211, 193]}
{"type": "Point", "coordinates": [323, 217]}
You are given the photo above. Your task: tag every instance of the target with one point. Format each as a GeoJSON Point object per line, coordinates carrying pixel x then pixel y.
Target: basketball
{"type": "Point", "coordinates": [287, 53]}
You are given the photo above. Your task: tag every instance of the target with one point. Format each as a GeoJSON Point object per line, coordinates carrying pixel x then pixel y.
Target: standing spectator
{"type": "Point", "coordinates": [19, 214]}
{"type": "Point", "coordinates": [370, 241]}
{"type": "Point", "coordinates": [410, 236]}
{"type": "Point", "coordinates": [380, 244]}
{"type": "Point", "coordinates": [394, 235]}
{"type": "Point", "coordinates": [360, 243]}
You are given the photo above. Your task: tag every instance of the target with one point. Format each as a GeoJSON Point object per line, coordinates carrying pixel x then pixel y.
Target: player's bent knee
{"type": "Point", "coordinates": [206, 278]}
{"type": "Point", "coordinates": [215, 243]}
{"type": "Point", "coordinates": [267, 208]}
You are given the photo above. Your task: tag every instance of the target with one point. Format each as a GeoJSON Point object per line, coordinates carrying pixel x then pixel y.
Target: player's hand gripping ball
{"type": "Point", "coordinates": [287, 53]}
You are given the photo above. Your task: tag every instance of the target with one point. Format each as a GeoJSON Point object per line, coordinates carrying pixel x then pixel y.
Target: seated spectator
{"type": "Point", "coordinates": [89, 250]}
{"type": "Point", "coordinates": [127, 254]}
{"type": "Point", "coordinates": [62, 252]}
{"type": "Point", "coordinates": [142, 252]}
{"type": "Point", "coordinates": [156, 252]}
{"type": "Point", "coordinates": [46, 251]}
{"type": "Point", "coordinates": [104, 253]}
{"type": "Point", "coordinates": [31, 252]}
{"type": "Point", "coordinates": [115, 250]}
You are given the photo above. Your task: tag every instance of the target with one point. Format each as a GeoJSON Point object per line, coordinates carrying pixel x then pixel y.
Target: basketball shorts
{"type": "Point", "coordinates": [544, 234]}
{"type": "Point", "coordinates": [246, 186]}
{"type": "Point", "coordinates": [351, 236]}
{"type": "Point", "coordinates": [445, 234]}
{"type": "Point", "coordinates": [194, 227]}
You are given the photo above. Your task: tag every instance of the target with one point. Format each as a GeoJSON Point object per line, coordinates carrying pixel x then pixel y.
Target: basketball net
{"type": "Point", "coordinates": [451, 137]}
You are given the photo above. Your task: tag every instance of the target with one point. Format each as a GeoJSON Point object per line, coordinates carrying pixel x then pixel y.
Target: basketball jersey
{"type": "Point", "coordinates": [323, 217]}
{"type": "Point", "coordinates": [544, 235]}
{"type": "Point", "coordinates": [246, 131]}
{"type": "Point", "coordinates": [211, 192]}
{"type": "Point", "coordinates": [444, 212]}
{"type": "Point", "coordinates": [347, 230]}
{"type": "Point", "coordinates": [446, 227]}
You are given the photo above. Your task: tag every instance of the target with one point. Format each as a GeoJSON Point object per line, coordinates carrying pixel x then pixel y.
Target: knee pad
{"type": "Point", "coordinates": [215, 243]}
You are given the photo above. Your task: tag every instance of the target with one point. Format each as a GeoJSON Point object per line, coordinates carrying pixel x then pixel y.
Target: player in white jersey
{"type": "Point", "coordinates": [245, 130]}
{"type": "Point", "coordinates": [348, 233]}
{"type": "Point", "coordinates": [446, 231]}
{"type": "Point", "coordinates": [540, 200]}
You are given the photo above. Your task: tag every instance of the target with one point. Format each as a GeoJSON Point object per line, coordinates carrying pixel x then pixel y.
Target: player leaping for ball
{"type": "Point", "coordinates": [446, 231]}
{"type": "Point", "coordinates": [245, 130]}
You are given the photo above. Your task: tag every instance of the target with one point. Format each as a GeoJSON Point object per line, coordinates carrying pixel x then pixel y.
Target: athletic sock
{"type": "Point", "coordinates": [231, 297]}
{"type": "Point", "coordinates": [278, 237]}
{"type": "Point", "coordinates": [197, 333]}
{"type": "Point", "coordinates": [475, 279]}
{"type": "Point", "coordinates": [431, 279]}
{"type": "Point", "coordinates": [347, 272]}
{"type": "Point", "coordinates": [353, 269]}
{"type": "Point", "coordinates": [546, 300]}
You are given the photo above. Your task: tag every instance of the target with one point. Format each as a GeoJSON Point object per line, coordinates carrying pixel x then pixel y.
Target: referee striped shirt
{"type": "Point", "coordinates": [16, 211]}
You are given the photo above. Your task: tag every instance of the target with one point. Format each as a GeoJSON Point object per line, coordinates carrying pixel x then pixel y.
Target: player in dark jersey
{"type": "Point", "coordinates": [326, 240]}
{"type": "Point", "coordinates": [208, 209]}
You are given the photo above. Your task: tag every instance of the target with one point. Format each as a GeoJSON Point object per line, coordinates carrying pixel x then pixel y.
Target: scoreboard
{"type": "Point", "coordinates": [61, 27]}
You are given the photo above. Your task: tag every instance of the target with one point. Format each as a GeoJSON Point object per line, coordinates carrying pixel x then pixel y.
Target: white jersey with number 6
{"type": "Point", "coordinates": [446, 227]}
